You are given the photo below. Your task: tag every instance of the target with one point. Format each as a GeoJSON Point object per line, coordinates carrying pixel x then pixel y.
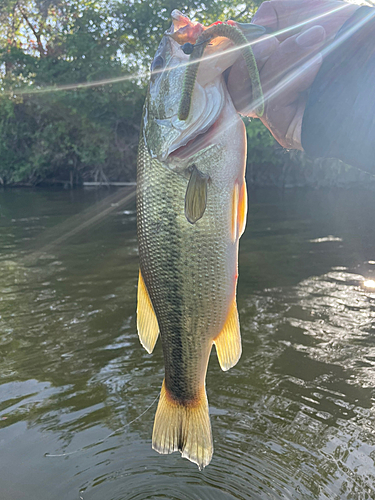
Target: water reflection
{"type": "Point", "coordinates": [293, 420]}
{"type": "Point", "coordinates": [369, 283]}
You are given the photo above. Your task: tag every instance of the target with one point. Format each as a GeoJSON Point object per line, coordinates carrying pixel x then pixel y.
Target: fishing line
{"type": "Point", "coordinates": [148, 74]}
{"type": "Point", "coordinates": [100, 441]}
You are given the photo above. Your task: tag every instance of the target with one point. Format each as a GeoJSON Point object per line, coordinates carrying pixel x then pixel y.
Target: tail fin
{"type": "Point", "coordinates": [183, 428]}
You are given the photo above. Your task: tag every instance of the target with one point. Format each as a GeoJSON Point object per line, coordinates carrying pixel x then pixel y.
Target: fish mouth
{"type": "Point", "coordinates": [195, 133]}
{"type": "Point", "coordinates": [200, 138]}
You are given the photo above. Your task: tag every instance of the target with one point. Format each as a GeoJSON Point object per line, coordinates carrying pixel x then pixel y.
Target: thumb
{"type": "Point", "coordinates": [293, 67]}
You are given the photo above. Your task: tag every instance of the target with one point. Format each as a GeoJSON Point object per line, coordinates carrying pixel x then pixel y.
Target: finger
{"type": "Point", "coordinates": [238, 82]}
{"type": "Point", "coordinates": [286, 124]}
{"type": "Point", "coordinates": [263, 48]}
{"type": "Point", "coordinates": [266, 16]}
{"type": "Point", "coordinates": [296, 16]}
{"type": "Point", "coordinates": [292, 68]}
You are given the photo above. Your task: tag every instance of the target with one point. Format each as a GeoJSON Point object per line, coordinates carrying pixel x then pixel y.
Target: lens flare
{"type": "Point", "coordinates": [147, 74]}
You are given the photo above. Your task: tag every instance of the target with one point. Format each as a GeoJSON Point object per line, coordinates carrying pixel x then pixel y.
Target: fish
{"type": "Point", "coordinates": [191, 213]}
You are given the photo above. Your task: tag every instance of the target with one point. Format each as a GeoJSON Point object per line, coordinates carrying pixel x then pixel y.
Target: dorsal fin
{"type": "Point", "coordinates": [147, 324]}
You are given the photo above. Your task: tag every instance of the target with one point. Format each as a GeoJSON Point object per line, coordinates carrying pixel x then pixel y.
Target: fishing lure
{"type": "Point", "coordinates": [227, 30]}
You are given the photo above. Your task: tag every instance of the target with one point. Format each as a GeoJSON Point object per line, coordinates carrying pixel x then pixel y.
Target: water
{"type": "Point", "coordinates": [293, 420]}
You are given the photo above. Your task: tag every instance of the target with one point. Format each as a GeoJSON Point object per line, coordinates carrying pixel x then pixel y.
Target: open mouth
{"type": "Point", "coordinates": [196, 144]}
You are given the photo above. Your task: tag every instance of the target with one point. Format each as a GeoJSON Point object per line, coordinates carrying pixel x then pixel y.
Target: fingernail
{"type": "Point", "coordinates": [311, 37]}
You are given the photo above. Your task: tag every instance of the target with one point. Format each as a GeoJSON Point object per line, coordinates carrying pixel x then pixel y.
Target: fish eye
{"type": "Point", "coordinates": [187, 48]}
{"type": "Point", "coordinates": [157, 64]}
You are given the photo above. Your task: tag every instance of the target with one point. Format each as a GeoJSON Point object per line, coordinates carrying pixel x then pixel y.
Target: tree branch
{"type": "Point", "coordinates": [240, 14]}
{"type": "Point", "coordinates": [36, 34]}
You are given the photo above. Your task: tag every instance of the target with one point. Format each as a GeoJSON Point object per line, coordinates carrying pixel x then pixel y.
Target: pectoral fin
{"type": "Point", "coordinates": [196, 196]}
{"type": "Point", "coordinates": [228, 342]}
{"type": "Point", "coordinates": [147, 324]}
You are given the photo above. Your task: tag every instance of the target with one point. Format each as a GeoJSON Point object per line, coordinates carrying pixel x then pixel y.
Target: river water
{"type": "Point", "coordinates": [293, 420]}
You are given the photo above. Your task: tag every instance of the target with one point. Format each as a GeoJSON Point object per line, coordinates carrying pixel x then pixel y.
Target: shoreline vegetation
{"type": "Point", "coordinates": [72, 87]}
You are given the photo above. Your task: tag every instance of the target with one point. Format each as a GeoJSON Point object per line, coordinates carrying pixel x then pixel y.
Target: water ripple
{"type": "Point", "coordinates": [293, 420]}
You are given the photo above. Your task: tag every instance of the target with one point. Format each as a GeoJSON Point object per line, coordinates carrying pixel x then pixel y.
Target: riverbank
{"type": "Point", "coordinates": [294, 172]}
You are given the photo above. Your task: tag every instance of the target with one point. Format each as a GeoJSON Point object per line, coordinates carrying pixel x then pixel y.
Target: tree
{"type": "Point", "coordinates": [87, 132]}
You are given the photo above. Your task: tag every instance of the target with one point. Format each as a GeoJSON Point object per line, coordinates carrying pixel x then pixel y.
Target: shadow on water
{"type": "Point", "coordinates": [293, 420]}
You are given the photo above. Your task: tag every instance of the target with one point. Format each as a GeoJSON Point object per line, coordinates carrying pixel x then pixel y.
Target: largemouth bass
{"type": "Point", "coordinates": [191, 212]}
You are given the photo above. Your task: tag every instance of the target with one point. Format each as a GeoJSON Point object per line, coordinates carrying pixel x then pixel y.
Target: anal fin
{"type": "Point", "coordinates": [228, 342]}
{"type": "Point", "coordinates": [147, 324]}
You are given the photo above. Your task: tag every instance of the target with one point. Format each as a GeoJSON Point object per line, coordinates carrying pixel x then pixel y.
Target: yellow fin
{"type": "Point", "coordinates": [147, 324]}
{"type": "Point", "coordinates": [196, 195]}
{"type": "Point", "coordinates": [183, 427]}
{"type": "Point", "coordinates": [242, 209]}
{"type": "Point", "coordinates": [234, 228]}
{"type": "Point", "coordinates": [228, 342]}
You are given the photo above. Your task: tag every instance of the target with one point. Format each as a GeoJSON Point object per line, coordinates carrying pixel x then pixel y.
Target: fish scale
{"type": "Point", "coordinates": [181, 265]}
{"type": "Point", "coordinates": [191, 212]}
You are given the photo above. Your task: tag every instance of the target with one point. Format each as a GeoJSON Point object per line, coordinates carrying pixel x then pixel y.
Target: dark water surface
{"type": "Point", "coordinates": [293, 420]}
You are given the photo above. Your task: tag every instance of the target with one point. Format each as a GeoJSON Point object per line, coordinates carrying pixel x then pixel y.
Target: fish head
{"type": "Point", "coordinates": [163, 131]}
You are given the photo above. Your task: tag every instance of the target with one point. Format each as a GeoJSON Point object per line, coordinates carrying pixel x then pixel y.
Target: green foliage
{"type": "Point", "coordinates": [92, 132]}
{"type": "Point", "coordinates": [142, 23]}
{"type": "Point", "coordinates": [62, 134]}
{"type": "Point", "coordinates": [88, 132]}
{"type": "Point", "coordinates": [263, 155]}
{"type": "Point", "coordinates": [261, 145]}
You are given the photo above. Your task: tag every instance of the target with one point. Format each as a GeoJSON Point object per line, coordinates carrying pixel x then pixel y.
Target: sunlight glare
{"type": "Point", "coordinates": [369, 284]}
{"type": "Point", "coordinates": [147, 74]}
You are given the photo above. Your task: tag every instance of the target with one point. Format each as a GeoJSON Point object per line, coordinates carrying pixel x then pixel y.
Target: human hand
{"type": "Point", "coordinates": [288, 62]}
